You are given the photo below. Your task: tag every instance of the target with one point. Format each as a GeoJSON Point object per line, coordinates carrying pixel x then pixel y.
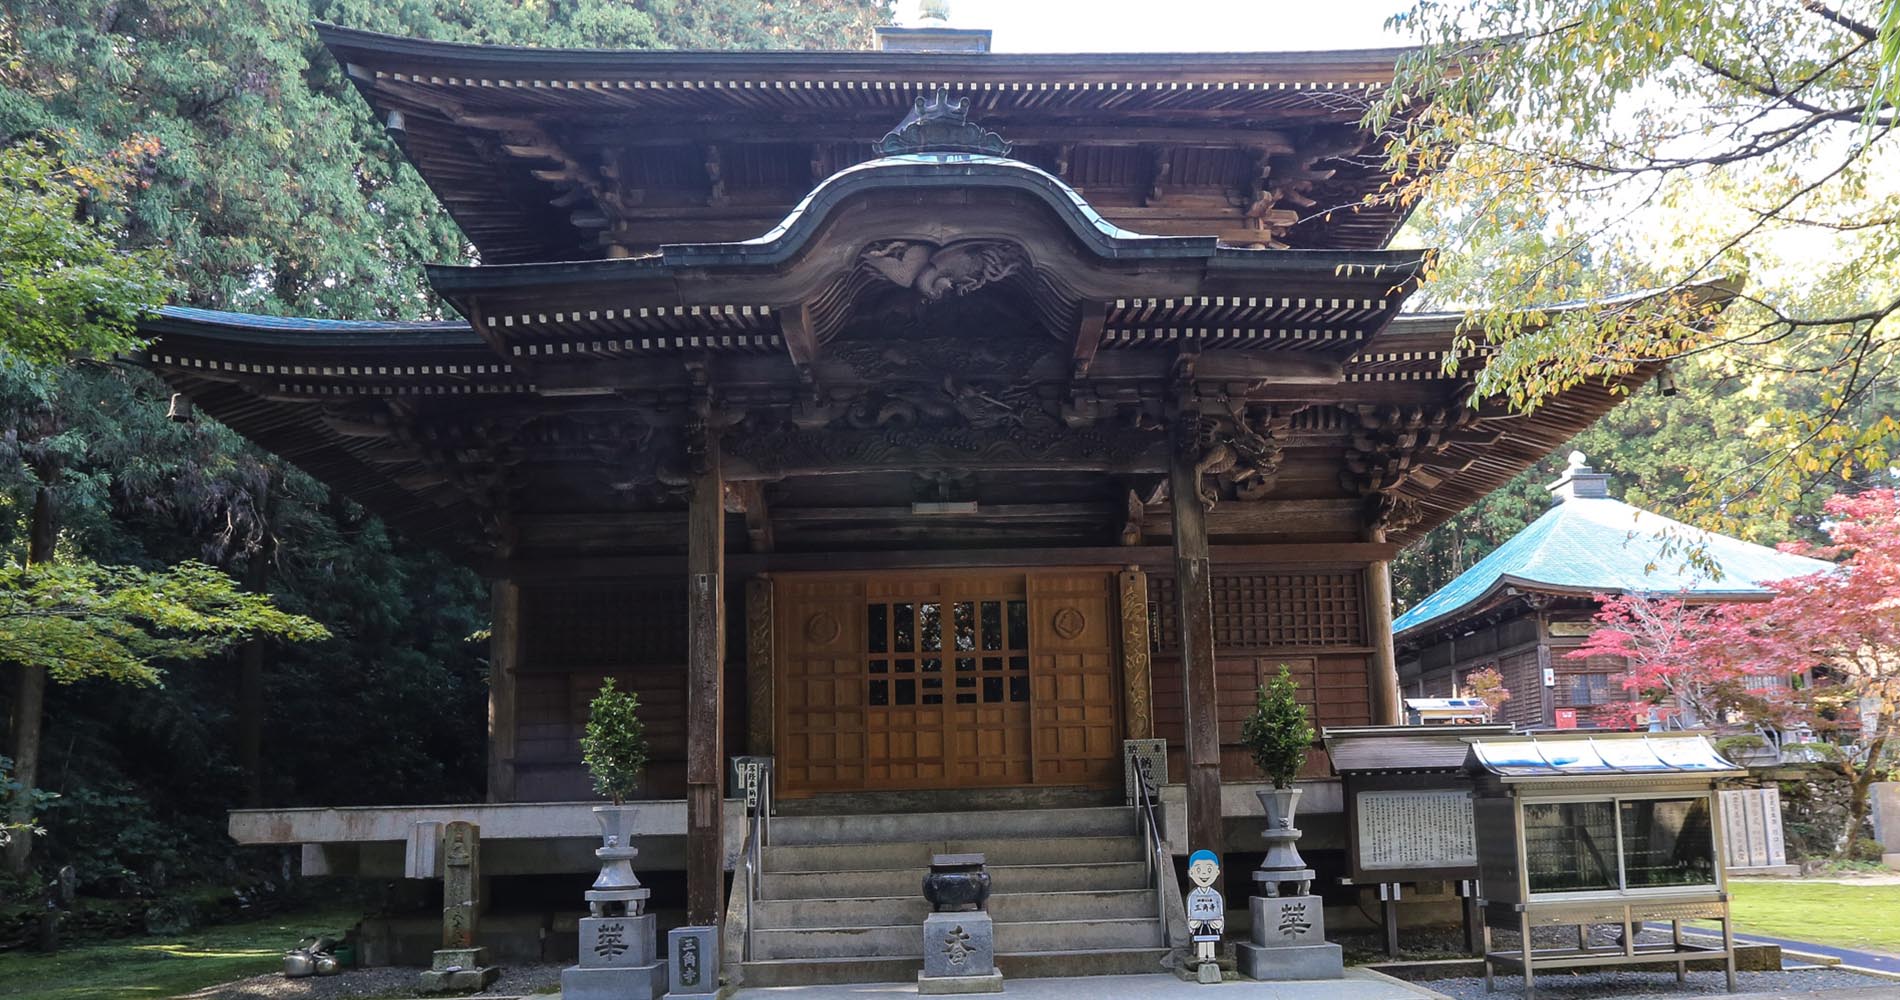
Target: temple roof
{"type": "Point", "coordinates": [1596, 545]}
{"type": "Point", "coordinates": [941, 327]}
{"type": "Point", "coordinates": [544, 155]}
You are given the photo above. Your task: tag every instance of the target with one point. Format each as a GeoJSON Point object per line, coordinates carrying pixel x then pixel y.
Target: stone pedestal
{"type": "Point", "coordinates": [959, 955]}
{"type": "Point", "coordinates": [617, 961]}
{"type": "Point", "coordinates": [693, 962]}
{"type": "Point", "coordinates": [459, 970]}
{"type": "Point", "coordinates": [1289, 941]}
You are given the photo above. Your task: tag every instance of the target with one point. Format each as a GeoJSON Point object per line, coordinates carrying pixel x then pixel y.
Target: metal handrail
{"type": "Point", "coordinates": [758, 827]}
{"type": "Point", "coordinates": [1158, 866]}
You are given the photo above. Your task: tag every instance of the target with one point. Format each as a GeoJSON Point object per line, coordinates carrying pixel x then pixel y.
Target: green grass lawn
{"type": "Point", "coordinates": [157, 967]}
{"type": "Point", "coordinates": [1846, 916]}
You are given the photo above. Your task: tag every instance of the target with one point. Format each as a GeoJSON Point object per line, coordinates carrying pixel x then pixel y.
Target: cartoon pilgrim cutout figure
{"type": "Point", "coordinates": [1206, 910]}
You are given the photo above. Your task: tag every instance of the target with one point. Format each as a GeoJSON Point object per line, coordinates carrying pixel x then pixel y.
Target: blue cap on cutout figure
{"type": "Point", "coordinates": [1206, 910]}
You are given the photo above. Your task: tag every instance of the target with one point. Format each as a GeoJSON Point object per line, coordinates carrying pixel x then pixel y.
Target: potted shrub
{"type": "Point", "coordinates": [1279, 735]}
{"type": "Point", "coordinates": [614, 747]}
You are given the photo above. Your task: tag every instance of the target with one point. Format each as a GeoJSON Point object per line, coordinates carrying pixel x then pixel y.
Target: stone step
{"type": "Point", "coordinates": [824, 971]}
{"type": "Point", "coordinates": [907, 940]}
{"type": "Point", "coordinates": [1009, 879]}
{"type": "Point", "coordinates": [821, 971]}
{"type": "Point", "coordinates": [879, 828]}
{"type": "Point", "coordinates": [1090, 934]}
{"type": "Point", "coordinates": [870, 911]}
{"type": "Point", "coordinates": [915, 854]}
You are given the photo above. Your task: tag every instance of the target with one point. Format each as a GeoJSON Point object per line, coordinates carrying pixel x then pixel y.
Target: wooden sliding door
{"type": "Point", "coordinates": [945, 680]}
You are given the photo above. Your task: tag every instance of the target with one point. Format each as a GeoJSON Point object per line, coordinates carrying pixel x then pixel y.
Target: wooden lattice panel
{"type": "Point", "coordinates": [1077, 737]}
{"type": "Point", "coordinates": [1262, 610]}
{"type": "Point", "coordinates": [603, 626]}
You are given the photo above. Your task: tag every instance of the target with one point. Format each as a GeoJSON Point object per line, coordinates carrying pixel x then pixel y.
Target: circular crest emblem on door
{"type": "Point", "coordinates": [822, 629]}
{"type": "Point", "coordinates": [1068, 623]}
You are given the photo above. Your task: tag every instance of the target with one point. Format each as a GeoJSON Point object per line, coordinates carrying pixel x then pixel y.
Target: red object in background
{"type": "Point", "coordinates": [1566, 718]}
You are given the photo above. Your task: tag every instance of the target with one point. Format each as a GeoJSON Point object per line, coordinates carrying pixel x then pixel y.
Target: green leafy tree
{"type": "Point", "coordinates": [1580, 149]}
{"type": "Point", "coordinates": [78, 619]}
{"type": "Point", "coordinates": [66, 288]}
{"type": "Point", "coordinates": [1278, 733]}
{"type": "Point", "coordinates": [269, 180]}
{"type": "Point", "coordinates": [615, 744]}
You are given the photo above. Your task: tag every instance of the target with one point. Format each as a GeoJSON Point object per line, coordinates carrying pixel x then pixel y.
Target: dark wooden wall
{"type": "Point", "coordinates": [1311, 620]}
{"type": "Point", "coordinates": [576, 636]}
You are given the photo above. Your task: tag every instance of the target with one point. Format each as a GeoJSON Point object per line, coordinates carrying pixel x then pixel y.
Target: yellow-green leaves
{"type": "Point", "coordinates": [65, 287]}
{"type": "Point", "coordinates": [1571, 150]}
{"type": "Point", "coordinates": [82, 619]}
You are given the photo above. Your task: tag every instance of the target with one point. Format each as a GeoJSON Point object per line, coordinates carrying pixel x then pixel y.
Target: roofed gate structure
{"type": "Point", "coordinates": [926, 421]}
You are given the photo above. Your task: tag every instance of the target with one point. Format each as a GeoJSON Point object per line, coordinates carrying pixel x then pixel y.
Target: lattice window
{"type": "Point", "coordinates": [1268, 611]}
{"type": "Point", "coordinates": [908, 644]}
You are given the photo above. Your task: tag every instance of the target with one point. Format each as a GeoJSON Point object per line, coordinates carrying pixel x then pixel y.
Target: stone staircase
{"type": "Point", "coordinates": [842, 896]}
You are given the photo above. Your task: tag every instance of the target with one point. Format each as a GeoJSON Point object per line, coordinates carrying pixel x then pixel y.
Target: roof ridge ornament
{"type": "Point", "coordinates": [940, 124]}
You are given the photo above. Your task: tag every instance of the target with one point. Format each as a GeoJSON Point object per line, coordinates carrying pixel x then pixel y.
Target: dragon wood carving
{"type": "Point", "coordinates": [935, 271]}
{"type": "Point", "coordinates": [1240, 454]}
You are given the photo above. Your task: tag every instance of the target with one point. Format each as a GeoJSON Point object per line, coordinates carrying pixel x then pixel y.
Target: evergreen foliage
{"type": "Point", "coordinates": [615, 744]}
{"type": "Point", "coordinates": [268, 179]}
{"type": "Point", "coordinates": [226, 139]}
{"type": "Point", "coordinates": [1278, 733]}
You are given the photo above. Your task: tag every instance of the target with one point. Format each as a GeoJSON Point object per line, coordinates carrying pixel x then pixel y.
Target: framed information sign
{"type": "Point", "coordinates": [1415, 829]}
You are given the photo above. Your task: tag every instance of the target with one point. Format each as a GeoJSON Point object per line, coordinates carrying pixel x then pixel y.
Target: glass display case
{"type": "Point", "coordinates": [1582, 830]}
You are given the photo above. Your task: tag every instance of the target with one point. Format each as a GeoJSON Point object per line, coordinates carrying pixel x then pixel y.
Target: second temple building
{"type": "Point", "coordinates": [932, 423]}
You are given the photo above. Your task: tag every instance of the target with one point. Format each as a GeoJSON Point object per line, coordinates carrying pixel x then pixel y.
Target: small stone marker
{"type": "Point", "coordinates": [460, 965]}
{"type": "Point", "coordinates": [1206, 913]}
{"type": "Point", "coordinates": [694, 964]}
{"type": "Point", "coordinates": [959, 936]}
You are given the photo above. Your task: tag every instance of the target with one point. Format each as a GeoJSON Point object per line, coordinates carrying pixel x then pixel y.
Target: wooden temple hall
{"type": "Point", "coordinates": [931, 423]}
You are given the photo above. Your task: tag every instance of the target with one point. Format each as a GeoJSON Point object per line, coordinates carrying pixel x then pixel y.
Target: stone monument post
{"type": "Point", "coordinates": [959, 938]}
{"type": "Point", "coordinates": [460, 965]}
{"type": "Point", "coordinates": [617, 937]}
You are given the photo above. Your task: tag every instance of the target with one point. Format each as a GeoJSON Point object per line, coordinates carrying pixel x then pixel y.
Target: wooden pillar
{"type": "Point", "coordinates": [1388, 708]}
{"type": "Point", "coordinates": [504, 667]}
{"type": "Point", "coordinates": [1193, 584]}
{"type": "Point", "coordinates": [705, 694]}
{"type": "Point", "coordinates": [250, 703]}
{"type": "Point", "coordinates": [758, 665]}
{"type": "Point", "coordinates": [1138, 721]}
{"type": "Point", "coordinates": [29, 693]}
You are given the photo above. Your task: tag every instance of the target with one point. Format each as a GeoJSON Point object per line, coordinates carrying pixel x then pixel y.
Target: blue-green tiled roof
{"type": "Point", "coordinates": [1596, 545]}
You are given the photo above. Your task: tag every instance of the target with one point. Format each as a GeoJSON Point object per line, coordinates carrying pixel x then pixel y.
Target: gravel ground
{"type": "Point", "coordinates": [361, 984]}
{"type": "Point", "coordinates": [1590, 985]}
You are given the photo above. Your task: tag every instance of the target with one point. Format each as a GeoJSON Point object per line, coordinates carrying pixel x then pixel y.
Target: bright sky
{"type": "Point", "coordinates": [1174, 25]}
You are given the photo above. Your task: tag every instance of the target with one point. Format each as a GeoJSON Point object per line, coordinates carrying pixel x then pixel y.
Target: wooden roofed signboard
{"type": "Point", "coordinates": [1408, 801]}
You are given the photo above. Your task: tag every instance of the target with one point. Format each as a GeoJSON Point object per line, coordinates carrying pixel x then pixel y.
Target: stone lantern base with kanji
{"type": "Point", "coordinates": [618, 938]}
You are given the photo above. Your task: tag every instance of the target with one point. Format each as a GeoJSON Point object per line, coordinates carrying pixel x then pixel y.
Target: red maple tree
{"type": "Point", "coordinates": [1674, 656]}
{"type": "Point", "coordinates": [1839, 627]}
